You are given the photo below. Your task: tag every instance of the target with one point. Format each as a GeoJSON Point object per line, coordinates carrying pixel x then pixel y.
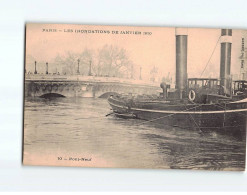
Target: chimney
{"type": "Point", "coordinates": [181, 60]}
{"type": "Point", "coordinates": [225, 61]}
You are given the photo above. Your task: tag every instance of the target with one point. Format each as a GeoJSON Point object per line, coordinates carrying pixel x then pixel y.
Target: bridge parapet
{"type": "Point", "coordinates": [50, 77]}
{"type": "Point", "coordinates": [84, 86]}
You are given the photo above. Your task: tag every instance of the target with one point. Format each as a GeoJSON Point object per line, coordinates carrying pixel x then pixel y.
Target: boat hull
{"type": "Point", "coordinates": [228, 117]}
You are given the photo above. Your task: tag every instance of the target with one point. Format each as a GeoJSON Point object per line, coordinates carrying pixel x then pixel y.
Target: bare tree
{"type": "Point", "coordinates": [153, 74]}
{"type": "Point", "coordinates": [67, 62]}
{"type": "Point", "coordinates": [29, 63]}
{"type": "Point", "coordinates": [113, 61]}
{"type": "Point", "coordinates": [87, 62]}
{"type": "Point", "coordinates": [107, 61]}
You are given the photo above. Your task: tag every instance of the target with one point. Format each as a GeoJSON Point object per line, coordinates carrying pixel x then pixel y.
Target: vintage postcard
{"type": "Point", "coordinates": [135, 97]}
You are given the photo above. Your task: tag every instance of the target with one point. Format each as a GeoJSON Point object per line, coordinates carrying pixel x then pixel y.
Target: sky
{"type": "Point", "coordinates": [155, 48]}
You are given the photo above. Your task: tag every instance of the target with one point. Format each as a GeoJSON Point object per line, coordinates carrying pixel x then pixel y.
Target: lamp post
{"type": "Point", "coordinates": [140, 73]}
{"type": "Point", "coordinates": [46, 67]}
{"type": "Point", "coordinates": [35, 70]}
{"type": "Point", "coordinates": [132, 72]}
{"type": "Point", "coordinates": [90, 67]}
{"type": "Point", "coordinates": [78, 70]}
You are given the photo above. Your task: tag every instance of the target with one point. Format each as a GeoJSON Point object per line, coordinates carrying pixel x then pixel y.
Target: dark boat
{"type": "Point", "coordinates": [198, 103]}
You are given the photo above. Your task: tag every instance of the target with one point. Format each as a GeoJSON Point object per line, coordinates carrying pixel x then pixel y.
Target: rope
{"type": "Point", "coordinates": [109, 114]}
{"type": "Point", "coordinates": [194, 121]}
{"type": "Point", "coordinates": [210, 57]}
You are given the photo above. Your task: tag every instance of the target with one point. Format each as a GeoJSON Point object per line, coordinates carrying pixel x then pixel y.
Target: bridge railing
{"type": "Point", "coordinates": [51, 77]}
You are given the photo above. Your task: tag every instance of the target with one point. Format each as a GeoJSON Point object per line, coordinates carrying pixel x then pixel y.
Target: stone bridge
{"type": "Point", "coordinates": [85, 87]}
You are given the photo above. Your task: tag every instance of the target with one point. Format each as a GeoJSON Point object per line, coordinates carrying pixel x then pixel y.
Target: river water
{"type": "Point", "coordinates": [77, 132]}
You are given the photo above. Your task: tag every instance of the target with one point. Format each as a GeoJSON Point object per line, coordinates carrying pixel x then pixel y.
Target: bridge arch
{"type": "Point", "coordinates": [51, 95]}
{"type": "Point", "coordinates": [107, 94]}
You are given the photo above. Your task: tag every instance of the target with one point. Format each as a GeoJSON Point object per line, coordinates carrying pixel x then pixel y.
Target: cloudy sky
{"type": "Point", "coordinates": [157, 49]}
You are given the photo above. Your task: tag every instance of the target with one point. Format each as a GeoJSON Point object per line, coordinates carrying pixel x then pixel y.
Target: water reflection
{"type": "Point", "coordinates": [79, 126]}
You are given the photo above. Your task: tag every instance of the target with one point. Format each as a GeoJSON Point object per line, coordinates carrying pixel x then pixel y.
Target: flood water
{"type": "Point", "coordinates": [77, 132]}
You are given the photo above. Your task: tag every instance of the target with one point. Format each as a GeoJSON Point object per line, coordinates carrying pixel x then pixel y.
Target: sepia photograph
{"type": "Point", "coordinates": [135, 97]}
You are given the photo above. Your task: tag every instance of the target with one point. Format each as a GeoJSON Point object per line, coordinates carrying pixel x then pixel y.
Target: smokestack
{"type": "Point", "coordinates": [181, 60]}
{"type": "Point", "coordinates": [225, 60]}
